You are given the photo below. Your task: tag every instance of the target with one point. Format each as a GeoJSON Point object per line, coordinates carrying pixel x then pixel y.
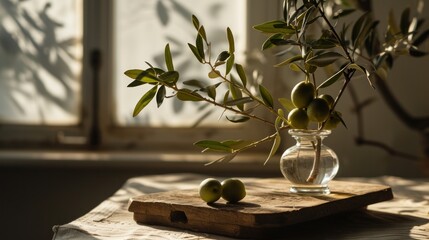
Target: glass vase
{"type": "Point", "coordinates": [309, 165]}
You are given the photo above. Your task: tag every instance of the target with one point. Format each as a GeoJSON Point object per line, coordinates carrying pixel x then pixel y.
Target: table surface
{"type": "Point", "coordinates": [404, 217]}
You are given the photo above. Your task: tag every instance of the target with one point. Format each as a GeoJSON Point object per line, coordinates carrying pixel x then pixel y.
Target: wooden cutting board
{"type": "Point", "coordinates": [268, 207]}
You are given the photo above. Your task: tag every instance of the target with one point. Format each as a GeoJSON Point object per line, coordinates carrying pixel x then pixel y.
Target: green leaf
{"type": "Point", "coordinates": [194, 83]}
{"type": "Point", "coordinates": [202, 33]}
{"type": "Point", "coordinates": [268, 43]}
{"type": "Point", "coordinates": [363, 70]}
{"type": "Point", "coordinates": [266, 96]}
{"type": "Point", "coordinates": [144, 100]}
{"type": "Point", "coordinates": [226, 96]}
{"type": "Point", "coordinates": [235, 92]}
{"type": "Point", "coordinates": [357, 28]}
{"type": "Point", "coordinates": [237, 144]}
{"type": "Point", "coordinates": [420, 39]}
{"type": "Point", "coordinates": [142, 76]}
{"type": "Point", "coordinates": [331, 80]}
{"type": "Point", "coordinates": [213, 145]}
{"type": "Point", "coordinates": [218, 63]}
{"type": "Point", "coordinates": [214, 74]}
{"type": "Point", "coordinates": [229, 64]}
{"type": "Point", "coordinates": [286, 103]}
{"type": "Point", "coordinates": [323, 44]}
{"type": "Point", "coordinates": [195, 52]}
{"type": "Point", "coordinates": [337, 115]}
{"type": "Point", "coordinates": [307, 15]}
{"type": "Point", "coordinates": [160, 95]}
{"type": "Point", "coordinates": [275, 26]}
{"type": "Point", "coordinates": [295, 67]}
{"type": "Point", "coordinates": [289, 60]}
{"type": "Point", "coordinates": [281, 114]}
{"type": "Point", "coordinates": [168, 58]}
{"type": "Point", "coordinates": [416, 53]}
{"type": "Point", "coordinates": [238, 101]}
{"type": "Point", "coordinates": [133, 73]}
{"type": "Point", "coordinates": [324, 59]}
{"type": "Point", "coordinates": [240, 71]}
{"type": "Point", "coordinates": [223, 56]}
{"type": "Point", "coordinates": [238, 119]}
{"type": "Point", "coordinates": [274, 148]}
{"type": "Point", "coordinates": [185, 94]}
{"type": "Point", "coordinates": [196, 22]}
{"type": "Point", "coordinates": [211, 91]}
{"type": "Point", "coordinates": [282, 42]}
{"type": "Point", "coordinates": [169, 77]}
{"type": "Point", "coordinates": [230, 40]}
{"type": "Point", "coordinates": [135, 83]}
{"type": "Point", "coordinates": [200, 46]}
{"type": "Point", "coordinates": [405, 21]}
{"type": "Point", "coordinates": [392, 27]}
{"type": "Point", "coordinates": [226, 158]}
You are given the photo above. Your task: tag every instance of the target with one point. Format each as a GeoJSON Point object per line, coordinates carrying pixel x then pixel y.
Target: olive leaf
{"type": "Point", "coordinates": [211, 91]}
{"type": "Point", "coordinates": [226, 158]}
{"type": "Point", "coordinates": [332, 79]}
{"type": "Point", "coordinates": [364, 71]}
{"type": "Point", "coordinates": [238, 119]}
{"type": "Point", "coordinates": [202, 33]}
{"type": "Point", "coordinates": [239, 101]}
{"type": "Point", "coordinates": [196, 22]}
{"type": "Point", "coordinates": [324, 59]}
{"type": "Point", "coordinates": [420, 39]}
{"type": "Point", "coordinates": [269, 42]}
{"type": "Point", "coordinates": [240, 71]}
{"type": "Point", "coordinates": [229, 63]}
{"type": "Point", "coordinates": [213, 145]}
{"type": "Point", "coordinates": [286, 103]}
{"type": "Point", "coordinates": [289, 60]}
{"type": "Point", "coordinates": [275, 26]}
{"type": "Point", "coordinates": [199, 45]}
{"type": "Point", "coordinates": [195, 52]}
{"type": "Point", "coordinates": [169, 77]}
{"type": "Point", "coordinates": [160, 95]}
{"type": "Point", "coordinates": [266, 96]}
{"type": "Point", "coordinates": [222, 56]}
{"type": "Point", "coordinates": [185, 94]}
{"type": "Point", "coordinates": [214, 74]}
{"type": "Point", "coordinates": [168, 58]}
{"type": "Point", "coordinates": [230, 41]}
{"type": "Point", "coordinates": [142, 76]}
{"type": "Point", "coordinates": [274, 148]}
{"type": "Point", "coordinates": [144, 100]}
{"type": "Point", "coordinates": [405, 21]}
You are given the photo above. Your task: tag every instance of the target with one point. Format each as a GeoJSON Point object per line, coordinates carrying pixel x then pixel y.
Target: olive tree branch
{"type": "Point", "coordinates": [244, 90]}
{"type": "Point", "coordinates": [174, 87]}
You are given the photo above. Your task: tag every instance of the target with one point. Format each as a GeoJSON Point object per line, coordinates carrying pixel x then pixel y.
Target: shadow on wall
{"type": "Point", "coordinates": [36, 63]}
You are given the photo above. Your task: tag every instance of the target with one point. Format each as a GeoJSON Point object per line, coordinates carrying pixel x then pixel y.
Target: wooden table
{"type": "Point", "coordinates": [405, 217]}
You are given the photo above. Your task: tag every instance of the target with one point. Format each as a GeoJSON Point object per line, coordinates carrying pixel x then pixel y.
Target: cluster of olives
{"type": "Point", "coordinates": [232, 190]}
{"type": "Point", "coordinates": [311, 108]}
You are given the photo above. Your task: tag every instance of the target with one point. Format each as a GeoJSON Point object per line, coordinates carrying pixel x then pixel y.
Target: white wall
{"type": "Point", "coordinates": [410, 83]}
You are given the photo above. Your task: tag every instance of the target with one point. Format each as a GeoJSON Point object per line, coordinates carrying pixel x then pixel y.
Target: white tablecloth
{"type": "Point", "coordinates": [405, 217]}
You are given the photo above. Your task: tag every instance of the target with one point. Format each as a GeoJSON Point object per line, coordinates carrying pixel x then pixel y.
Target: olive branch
{"type": "Point", "coordinates": [353, 48]}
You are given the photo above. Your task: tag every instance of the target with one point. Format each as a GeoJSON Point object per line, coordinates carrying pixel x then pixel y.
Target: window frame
{"type": "Point", "coordinates": [98, 37]}
{"type": "Point", "coordinates": [156, 139]}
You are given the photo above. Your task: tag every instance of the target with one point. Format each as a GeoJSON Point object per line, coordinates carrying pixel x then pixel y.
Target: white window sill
{"type": "Point", "coordinates": [184, 162]}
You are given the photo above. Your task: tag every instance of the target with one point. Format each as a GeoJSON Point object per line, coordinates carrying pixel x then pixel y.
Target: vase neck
{"type": "Point", "coordinates": [308, 137]}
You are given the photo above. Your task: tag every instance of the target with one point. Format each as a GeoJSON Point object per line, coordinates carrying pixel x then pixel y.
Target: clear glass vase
{"type": "Point", "coordinates": [309, 165]}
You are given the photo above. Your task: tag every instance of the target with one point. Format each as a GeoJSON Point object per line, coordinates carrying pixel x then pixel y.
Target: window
{"type": "Point", "coordinates": [88, 45]}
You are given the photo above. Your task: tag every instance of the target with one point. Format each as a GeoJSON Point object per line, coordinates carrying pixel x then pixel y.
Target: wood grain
{"type": "Point", "coordinates": [267, 208]}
